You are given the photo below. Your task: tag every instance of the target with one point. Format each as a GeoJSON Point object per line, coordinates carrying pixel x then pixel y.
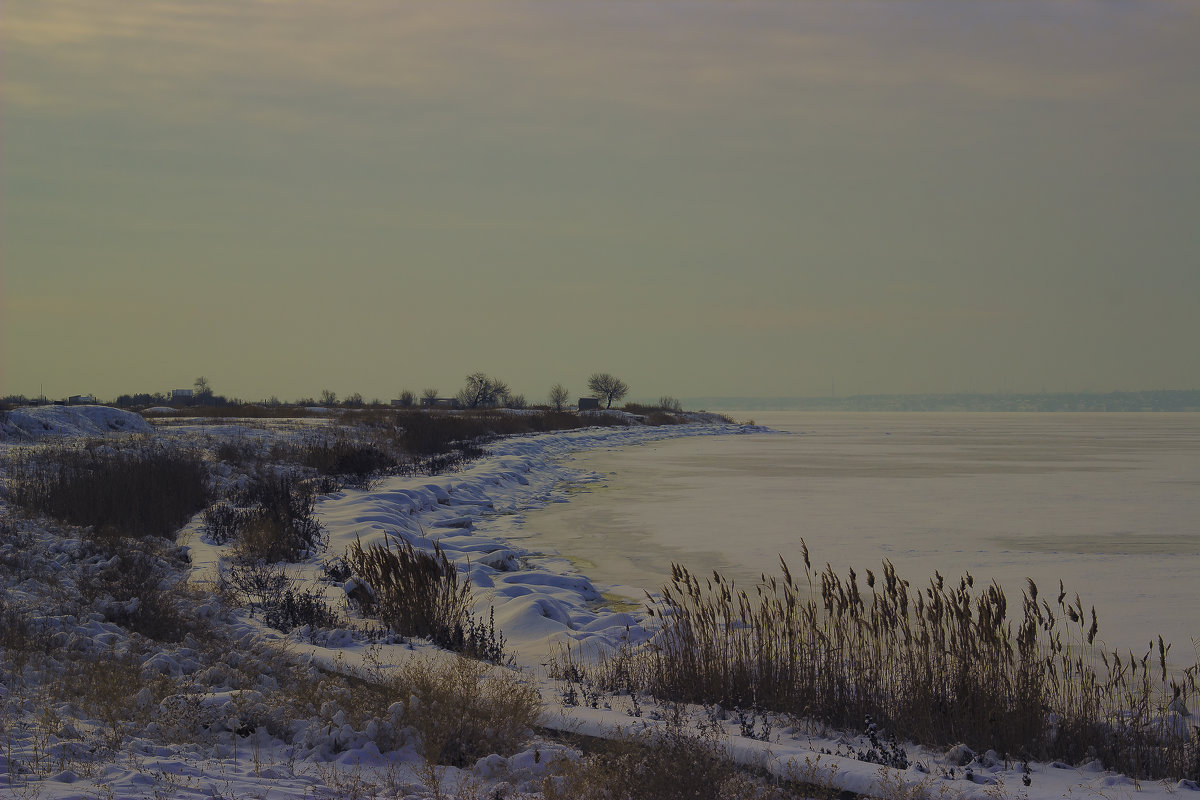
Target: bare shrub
{"type": "Point", "coordinates": [253, 582]}
{"type": "Point", "coordinates": [281, 525]}
{"type": "Point", "coordinates": [237, 451]}
{"type": "Point", "coordinates": [14, 625]}
{"type": "Point", "coordinates": [222, 521]}
{"type": "Point", "coordinates": [452, 461]}
{"type": "Point", "coordinates": [463, 710]}
{"type": "Point", "coordinates": [559, 397]}
{"type": "Point", "coordinates": [434, 433]}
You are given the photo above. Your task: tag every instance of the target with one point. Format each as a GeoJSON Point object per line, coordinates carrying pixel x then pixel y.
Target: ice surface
{"type": "Point", "coordinates": [1107, 503]}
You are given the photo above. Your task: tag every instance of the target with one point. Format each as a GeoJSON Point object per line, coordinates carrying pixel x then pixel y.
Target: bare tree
{"type": "Point", "coordinates": [428, 396]}
{"type": "Point", "coordinates": [406, 398]}
{"type": "Point", "coordinates": [607, 386]}
{"type": "Point", "coordinates": [559, 396]}
{"type": "Point", "coordinates": [328, 398]}
{"type": "Point", "coordinates": [202, 387]}
{"type": "Point", "coordinates": [481, 391]}
{"type": "Point", "coordinates": [668, 403]}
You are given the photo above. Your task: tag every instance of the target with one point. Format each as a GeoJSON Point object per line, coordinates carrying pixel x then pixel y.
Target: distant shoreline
{"type": "Point", "coordinates": [1187, 400]}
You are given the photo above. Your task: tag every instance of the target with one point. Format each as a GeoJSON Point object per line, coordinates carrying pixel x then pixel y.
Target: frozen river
{"type": "Point", "coordinates": [1108, 503]}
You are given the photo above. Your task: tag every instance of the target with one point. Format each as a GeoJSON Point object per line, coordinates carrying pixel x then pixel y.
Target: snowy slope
{"type": "Point", "coordinates": [25, 424]}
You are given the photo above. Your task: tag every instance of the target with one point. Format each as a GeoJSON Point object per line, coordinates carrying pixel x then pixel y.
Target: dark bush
{"type": "Point", "coordinates": [295, 608]}
{"type": "Point", "coordinates": [237, 452]}
{"type": "Point", "coordinates": [253, 582]}
{"type": "Point", "coordinates": [142, 490]}
{"type": "Point", "coordinates": [14, 625]}
{"type": "Point", "coordinates": [356, 462]}
{"type": "Point", "coordinates": [349, 459]}
{"type": "Point", "coordinates": [223, 521]}
{"type": "Point", "coordinates": [443, 442]}
{"type": "Point", "coordinates": [427, 434]}
{"type": "Point", "coordinates": [279, 524]}
{"type": "Point", "coordinates": [450, 462]}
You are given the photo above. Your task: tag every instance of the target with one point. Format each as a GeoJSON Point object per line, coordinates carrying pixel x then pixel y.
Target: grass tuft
{"type": "Point", "coordinates": [415, 593]}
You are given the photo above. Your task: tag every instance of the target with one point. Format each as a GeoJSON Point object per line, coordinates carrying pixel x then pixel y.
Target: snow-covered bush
{"type": "Point", "coordinates": [136, 586]}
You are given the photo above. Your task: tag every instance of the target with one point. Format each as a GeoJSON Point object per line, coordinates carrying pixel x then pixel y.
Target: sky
{"type": "Point", "coordinates": [752, 198]}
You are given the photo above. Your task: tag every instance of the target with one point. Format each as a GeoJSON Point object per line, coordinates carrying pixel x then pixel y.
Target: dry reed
{"type": "Point", "coordinates": [943, 664]}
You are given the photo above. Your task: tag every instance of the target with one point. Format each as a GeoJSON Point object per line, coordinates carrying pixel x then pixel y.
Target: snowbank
{"type": "Point", "coordinates": [63, 421]}
{"type": "Point", "coordinates": [540, 601]}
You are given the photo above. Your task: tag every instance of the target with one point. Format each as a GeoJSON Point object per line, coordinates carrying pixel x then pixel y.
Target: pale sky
{"type": "Point", "coordinates": [703, 198]}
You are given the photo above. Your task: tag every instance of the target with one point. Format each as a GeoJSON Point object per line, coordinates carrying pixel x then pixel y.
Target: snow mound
{"type": "Point", "coordinates": [43, 421]}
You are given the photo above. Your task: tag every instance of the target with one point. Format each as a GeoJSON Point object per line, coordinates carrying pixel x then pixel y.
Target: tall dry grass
{"type": "Point", "coordinates": [133, 488]}
{"type": "Point", "coordinates": [416, 593]}
{"type": "Point", "coordinates": [949, 662]}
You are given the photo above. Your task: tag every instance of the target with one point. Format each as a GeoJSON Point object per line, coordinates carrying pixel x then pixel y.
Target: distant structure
{"type": "Point", "coordinates": [81, 400]}
{"type": "Point", "coordinates": [439, 402]}
{"type": "Point", "coordinates": [182, 394]}
{"type": "Point", "coordinates": [589, 403]}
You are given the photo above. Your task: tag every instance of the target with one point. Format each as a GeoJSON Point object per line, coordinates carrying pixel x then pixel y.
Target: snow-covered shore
{"type": "Point", "coordinates": [541, 602]}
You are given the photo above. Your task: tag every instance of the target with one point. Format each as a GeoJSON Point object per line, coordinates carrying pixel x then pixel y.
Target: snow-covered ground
{"type": "Point", "coordinates": [40, 422]}
{"type": "Point", "coordinates": [51, 748]}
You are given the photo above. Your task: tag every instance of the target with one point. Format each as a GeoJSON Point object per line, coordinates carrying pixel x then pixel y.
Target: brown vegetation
{"type": "Point", "coordinates": [938, 665]}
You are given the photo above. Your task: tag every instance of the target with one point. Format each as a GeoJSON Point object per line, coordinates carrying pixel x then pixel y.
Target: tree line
{"type": "Point", "coordinates": [479, 390]}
